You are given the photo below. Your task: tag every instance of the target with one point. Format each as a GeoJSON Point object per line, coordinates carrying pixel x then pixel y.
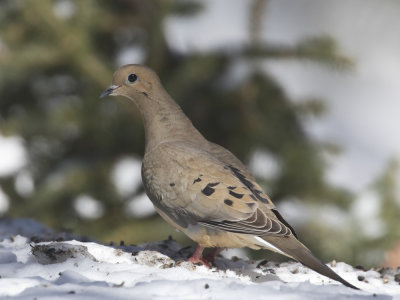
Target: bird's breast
{"type": "Point", "coordinates": [161, 180]}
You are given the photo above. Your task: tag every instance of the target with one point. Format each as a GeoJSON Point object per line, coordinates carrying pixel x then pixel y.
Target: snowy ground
{"type": "Point", "coordinates": [69, 269]}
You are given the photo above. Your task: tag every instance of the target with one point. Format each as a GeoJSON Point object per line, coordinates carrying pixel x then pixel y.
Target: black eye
{"type": "Point", "coordinates": [132, 78]}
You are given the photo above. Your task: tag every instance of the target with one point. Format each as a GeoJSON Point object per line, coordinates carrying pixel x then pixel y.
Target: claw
{"type": "Point", "coordinates": [208, 260]}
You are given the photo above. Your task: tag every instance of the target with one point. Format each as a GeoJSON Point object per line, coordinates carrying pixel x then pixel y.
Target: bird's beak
{"type": "Point", "coordinates": [109, 91]}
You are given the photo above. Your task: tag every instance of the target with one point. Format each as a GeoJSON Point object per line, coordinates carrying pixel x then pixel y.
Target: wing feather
{"type": "Point", "coordinates": [216, 194]}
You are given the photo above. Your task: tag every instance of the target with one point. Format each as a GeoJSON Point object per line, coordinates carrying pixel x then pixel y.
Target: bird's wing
{"type": "Point", "coordinates": [210, 192]}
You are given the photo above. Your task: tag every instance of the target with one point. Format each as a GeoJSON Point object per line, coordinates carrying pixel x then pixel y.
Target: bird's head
{"type": "Point", "coordinates": [133, 81]}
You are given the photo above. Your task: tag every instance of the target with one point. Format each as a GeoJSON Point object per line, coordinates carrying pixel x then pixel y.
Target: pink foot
{"type": "Point", "coordinates": [197, 257]}
{"type": "Point", "coordinates": [199, 260]}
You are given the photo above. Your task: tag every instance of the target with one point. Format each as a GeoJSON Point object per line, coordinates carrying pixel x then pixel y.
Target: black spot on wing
{"type": "Point", "coordinates": [259, 197]}
{"type": "Point", "coordinates": [236, 195]}
{"type": "Point", "coordinates": [248, 184]}
{"type": "Point", "coordinates": [228, 202]}
{"type": "Point", "coordinates": [241, 177]}
{"type": "Point", "coordinates": [196, 180]}
{"type": "Point", "coordinates": [207, 190]}
{"type": "Point", "coordinates": [172, 184]}
{"type": "Point", "coordinates": [280, 218]}
{"type": "Point", "coordinates": [231, 187]}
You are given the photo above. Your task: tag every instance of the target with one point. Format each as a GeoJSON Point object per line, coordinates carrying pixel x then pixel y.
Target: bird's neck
{"type": "Point", "coordinates": [165, 121]}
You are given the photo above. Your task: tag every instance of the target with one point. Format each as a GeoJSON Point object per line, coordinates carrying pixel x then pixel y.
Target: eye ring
{"type": "Point", "coordinates": [132, 78]}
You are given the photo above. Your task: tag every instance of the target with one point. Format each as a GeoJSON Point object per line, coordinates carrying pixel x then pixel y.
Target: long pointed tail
{"type": "Point", "coordinates": [295, 249]}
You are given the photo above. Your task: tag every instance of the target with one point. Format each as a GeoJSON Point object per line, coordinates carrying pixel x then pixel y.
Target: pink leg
{"type": "Point", "coordinates": [197, 257]}
{"type": "Point", "coordinates": [210, 257]}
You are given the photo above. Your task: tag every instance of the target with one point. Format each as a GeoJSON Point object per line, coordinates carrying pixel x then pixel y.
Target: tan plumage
{"type": "Point", "coordinates": [200, 187]}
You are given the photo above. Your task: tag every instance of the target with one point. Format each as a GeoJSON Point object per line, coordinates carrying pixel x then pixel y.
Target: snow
{"type": "Point", "coordinates": [64, 9]}
{"type": "Point", "coordinates": [37, 263]}
{"type": "Point", "coordinates": [264, 164]}
{"type": "Point", "coordinates": [366, 209]}
{"type": "Point", "coordinates": [140, 206]}
{"type": "Point", "coordinates": [87, 207]}
{"type": "Point", "coordinates": [12, 155]}
{"type": "Point", "coordinates": [24, 184]}
{"type": "Point", "coordinates": [126, 175]}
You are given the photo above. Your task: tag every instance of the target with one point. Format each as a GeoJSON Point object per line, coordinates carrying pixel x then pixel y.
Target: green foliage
{"type": "Point", "coordinates": [390, 203]}
{"type": "Point", "coordinates": [54, 67]}
{"type": "Point", "coordinates": [388, 211]}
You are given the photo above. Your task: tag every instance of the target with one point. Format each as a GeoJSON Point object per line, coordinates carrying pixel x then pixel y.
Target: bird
{"type": "Point", "coordinates": [199, 187]}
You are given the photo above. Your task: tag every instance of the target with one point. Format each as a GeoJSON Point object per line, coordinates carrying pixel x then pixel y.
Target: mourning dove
{"type": "Point", "coordinates": [199, 187]}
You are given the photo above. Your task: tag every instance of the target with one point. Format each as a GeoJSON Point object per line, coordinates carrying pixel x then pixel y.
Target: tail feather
{"type": "Point", "coordinates": [296, 250]}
